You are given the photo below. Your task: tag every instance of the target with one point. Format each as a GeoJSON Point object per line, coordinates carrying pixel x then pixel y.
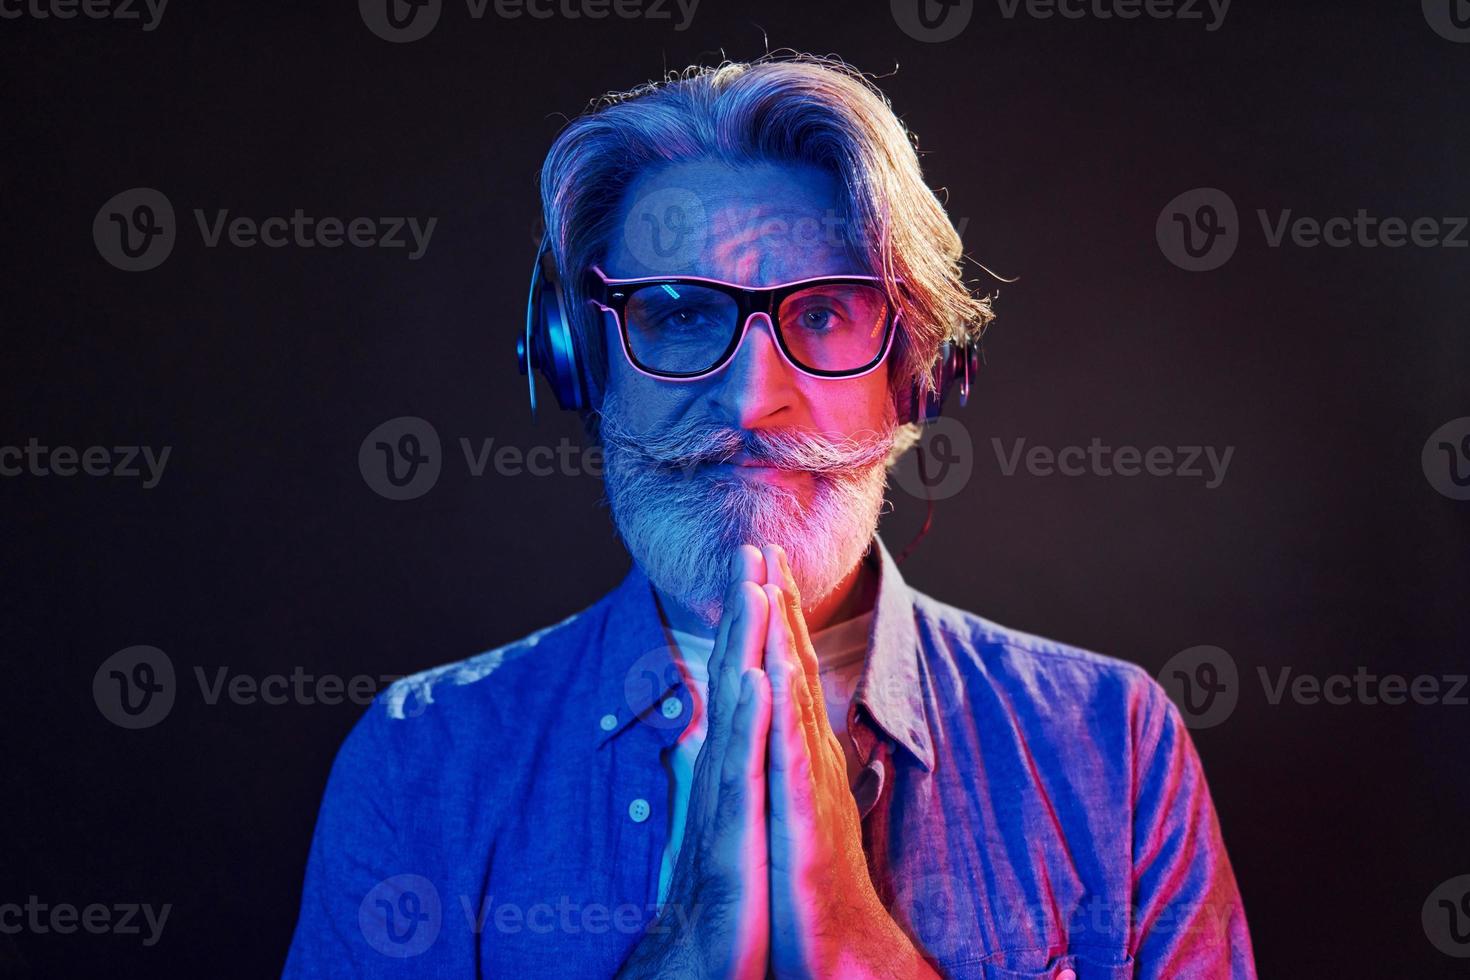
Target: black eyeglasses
{"type": "Point", "coordinates": [683, 328]}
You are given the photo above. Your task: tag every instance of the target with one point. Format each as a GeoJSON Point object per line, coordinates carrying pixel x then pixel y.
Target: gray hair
{"type": "Point", "coordinates": [781, 108]}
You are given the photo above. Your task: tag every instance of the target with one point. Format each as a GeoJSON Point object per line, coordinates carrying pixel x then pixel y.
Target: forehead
{"type": "Point", "coordinates": [756, 224]}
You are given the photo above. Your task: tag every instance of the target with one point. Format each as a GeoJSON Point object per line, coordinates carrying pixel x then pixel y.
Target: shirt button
{"type": "Point", "coordinates": [1066, 974]}
{"type": "Point", "coordinates": [672, 708]}
{"type": "Point", "coordinates": [638, 810]}
{"type": "Point", "coordinates": [609, 722]}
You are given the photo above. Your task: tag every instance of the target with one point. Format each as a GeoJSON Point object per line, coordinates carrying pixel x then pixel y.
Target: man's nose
{"type": "Point", "coordinates": [756, 385]}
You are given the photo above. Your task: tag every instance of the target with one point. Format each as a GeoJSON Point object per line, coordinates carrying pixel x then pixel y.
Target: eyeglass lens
{"type": "Point", "coordinates": [684, 328]}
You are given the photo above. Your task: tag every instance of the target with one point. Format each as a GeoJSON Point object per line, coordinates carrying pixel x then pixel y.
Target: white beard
{"type": "Point", "coordinates": [682, 526]}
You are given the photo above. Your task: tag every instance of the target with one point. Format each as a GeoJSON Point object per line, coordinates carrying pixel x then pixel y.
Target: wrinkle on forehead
{"type": "Point", "coordinates": [766, 223]}
{"type": "Point", "coordinates": [771, 242]}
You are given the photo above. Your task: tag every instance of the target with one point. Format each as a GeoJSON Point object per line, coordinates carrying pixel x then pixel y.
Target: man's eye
{"type": "Point", "coordinates": [819, 319]}
{"type": "Point", "coordinates": [683, 318]}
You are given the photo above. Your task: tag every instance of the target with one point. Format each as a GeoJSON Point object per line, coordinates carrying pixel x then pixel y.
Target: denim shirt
{"type": "Point", "coordinates": [1028, 809]}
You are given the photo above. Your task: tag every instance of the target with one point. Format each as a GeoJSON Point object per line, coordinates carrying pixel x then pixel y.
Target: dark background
{"type": "Point", "coordinates": [262, 549]}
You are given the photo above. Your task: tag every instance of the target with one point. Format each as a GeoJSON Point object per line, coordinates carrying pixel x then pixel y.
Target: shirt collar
{"type": "Point", "coordinates": [637, 668]}
{"type": "Point", "coordinates": [891, 690]}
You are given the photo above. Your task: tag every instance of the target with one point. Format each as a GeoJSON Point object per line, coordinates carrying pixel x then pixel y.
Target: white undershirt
{"type": "Point", "coordinates": [841, 652]}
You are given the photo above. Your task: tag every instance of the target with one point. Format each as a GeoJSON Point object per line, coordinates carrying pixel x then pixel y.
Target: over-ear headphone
{"type": "Point", "coordinates": [548, 346]}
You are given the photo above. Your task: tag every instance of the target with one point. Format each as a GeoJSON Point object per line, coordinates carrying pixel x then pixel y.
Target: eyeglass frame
{"type": "Point", "coordinates": [748, 303]}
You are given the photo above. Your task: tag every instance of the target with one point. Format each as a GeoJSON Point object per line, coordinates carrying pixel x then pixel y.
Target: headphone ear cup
{"type": "Point", "coordinates": [957, 366]}
{"type": "Point", "coordinates": [549, 344]}
{"type": "Point", "coordinates": [970, 364]}
{"type": "Point", "coordinates": [924, 407]}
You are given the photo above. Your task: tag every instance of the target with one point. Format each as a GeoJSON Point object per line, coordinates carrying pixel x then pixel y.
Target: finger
{"type": "Point", "coordinates": [781, 654]}
{"type": "Point", "coordinates": [743, 650]}
{"type": "Point", "coordinates": [744, 763]}
{"type": "Point", "coordinates": [740, 813]}
{"type": "Point", "coordinates": [806, 698]}
{"type": "Point", "coordinates": [718, 722]}
{"type": "Point", "coordinates": [737, 830]}
{"type": "Point", "coordinates": [778, 572]}
{"type": "Point", "coordinates": [722, 736]}
{"type": "Point", "coordinates": [789, 757]}
{"type": "Point", "coordinates": [746, 565]}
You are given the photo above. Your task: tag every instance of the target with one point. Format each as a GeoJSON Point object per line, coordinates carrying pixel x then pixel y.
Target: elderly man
{"type": "Point", "coordinates": [763, 752]}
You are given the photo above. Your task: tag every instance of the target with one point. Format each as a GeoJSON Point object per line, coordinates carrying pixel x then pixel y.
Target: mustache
{"type": "Point", "coordinates": [691, 442]}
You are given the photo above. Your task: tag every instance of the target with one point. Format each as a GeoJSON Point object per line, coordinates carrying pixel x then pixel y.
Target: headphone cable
{"type": "Point", "coordinates": [928, 511]}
